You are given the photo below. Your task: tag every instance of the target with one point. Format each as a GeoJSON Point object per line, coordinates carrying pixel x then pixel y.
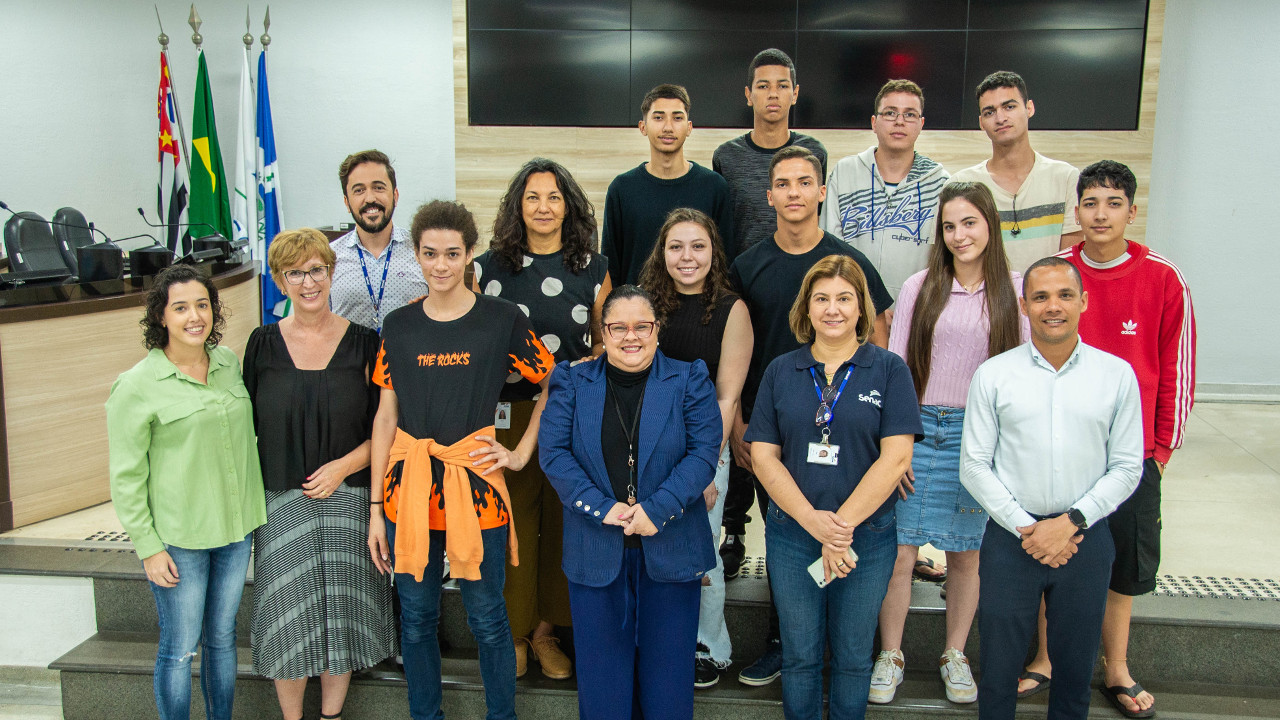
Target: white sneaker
{"type": "Point", "coordinates": [886, 676]}
{"type": "Point", "coordinates": [954, 667]}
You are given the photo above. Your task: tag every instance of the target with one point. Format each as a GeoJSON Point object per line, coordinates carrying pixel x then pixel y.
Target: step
{"type": "Point", "coordinates": [1175, 639]}
{"type": "Point", "coordinates": [109, 675]}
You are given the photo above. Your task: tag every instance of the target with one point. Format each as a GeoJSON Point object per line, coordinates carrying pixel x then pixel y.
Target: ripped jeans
{"type": "Point", "coordinates": [200, 611]}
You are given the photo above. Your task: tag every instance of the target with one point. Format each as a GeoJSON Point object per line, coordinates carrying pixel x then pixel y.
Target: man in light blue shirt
{"type": "Point", "coordinates": [376, 270]}
{"type": "Point", "coordinates": [1052, 444]}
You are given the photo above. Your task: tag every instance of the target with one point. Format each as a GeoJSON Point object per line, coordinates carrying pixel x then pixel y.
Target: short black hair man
{"type": "Point", "coordinates": [744, 162]}
{"type": "Point", "coordinates": [1052, 444]}
{"type": "Point", "coordinates": [639, 200]}
{"type": "Point", "coordinates": [1036, 196]}
{"type": "Point", "coordinates": [374, 271]}
{"type": "Point", "coordinates": [771, 91]}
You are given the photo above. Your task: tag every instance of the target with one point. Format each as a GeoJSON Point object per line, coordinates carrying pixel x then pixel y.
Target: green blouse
{"type": "Point", "coordinates": [183, 455]}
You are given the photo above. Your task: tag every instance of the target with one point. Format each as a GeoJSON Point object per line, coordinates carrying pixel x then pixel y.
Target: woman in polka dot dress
{"type": "Point", "coordinates": [542, 258]}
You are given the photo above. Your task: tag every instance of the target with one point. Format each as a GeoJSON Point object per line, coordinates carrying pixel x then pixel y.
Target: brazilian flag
{"type": "Point", "coordinates": [209, 210]}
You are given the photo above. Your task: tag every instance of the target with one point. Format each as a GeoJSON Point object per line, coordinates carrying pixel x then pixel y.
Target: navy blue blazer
{"type": "Point", "coordinates": [679, 442]}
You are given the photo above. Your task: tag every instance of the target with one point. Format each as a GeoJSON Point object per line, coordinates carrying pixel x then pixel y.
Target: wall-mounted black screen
{"type": "Point", "coordinates": [589, 62]}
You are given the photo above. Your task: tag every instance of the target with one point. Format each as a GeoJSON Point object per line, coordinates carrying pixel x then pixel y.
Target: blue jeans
{"type": "Point", "coordinates": [486, 615]}
{"type": "Point", "coordinates": [843, 614]}
{"type": "Point", "coordinates": [712, 630]}
{"type": "Point", "coordinates": [200, 611]}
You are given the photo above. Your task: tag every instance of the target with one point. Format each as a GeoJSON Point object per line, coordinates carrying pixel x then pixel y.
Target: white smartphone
{"type": "Point", "coordinates": [818, 573]}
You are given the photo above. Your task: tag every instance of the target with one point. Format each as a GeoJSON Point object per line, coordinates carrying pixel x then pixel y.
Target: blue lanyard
{"type": "Point", "coordinates": [831, 411]}
{"type": "Point", "coordinates": [368, 285]}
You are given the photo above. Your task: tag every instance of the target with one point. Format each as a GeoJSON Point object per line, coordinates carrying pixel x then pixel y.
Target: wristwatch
{"type": "Point", "coordinates": [1077, 517]}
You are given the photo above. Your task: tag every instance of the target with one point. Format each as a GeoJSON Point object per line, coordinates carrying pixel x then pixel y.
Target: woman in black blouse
{"type": "Point", "coordinates": [313, 403]}
{"type": "Point", "coordinates": [702, 319]}
{"type": "Point", "coordinates": [542, 258]}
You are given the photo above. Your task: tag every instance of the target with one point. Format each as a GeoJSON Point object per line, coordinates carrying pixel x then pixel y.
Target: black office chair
{"type": "Point", "coordinates": [71, 231]}
{"type": "Point", "coordinates": [29, 242]}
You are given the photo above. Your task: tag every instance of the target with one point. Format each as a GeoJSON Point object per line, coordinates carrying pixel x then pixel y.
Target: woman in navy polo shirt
{"type": "Point", "coordinates": [830, 435]}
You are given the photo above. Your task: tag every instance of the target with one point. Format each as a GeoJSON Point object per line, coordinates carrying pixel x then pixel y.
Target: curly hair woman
{"type": "Point", "coordinates": [187, 486]}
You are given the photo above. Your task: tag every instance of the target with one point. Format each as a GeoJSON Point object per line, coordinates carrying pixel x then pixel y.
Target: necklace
{"type": "Point", "coordinates": [631, 434]}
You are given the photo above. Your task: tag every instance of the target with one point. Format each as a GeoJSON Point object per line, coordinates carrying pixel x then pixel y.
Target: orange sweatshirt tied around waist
{"type": "Point", "coordinates": [463, 543]}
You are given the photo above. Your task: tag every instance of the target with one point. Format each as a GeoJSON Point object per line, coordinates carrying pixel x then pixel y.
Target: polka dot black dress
{"type": "Point", "coordinates": [557, 301]}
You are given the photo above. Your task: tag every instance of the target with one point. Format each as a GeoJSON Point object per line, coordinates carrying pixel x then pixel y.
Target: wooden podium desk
{"type": "Point", "coordinates": [58, 358]}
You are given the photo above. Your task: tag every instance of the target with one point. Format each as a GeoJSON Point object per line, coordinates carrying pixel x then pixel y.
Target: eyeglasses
{"type": "Point", "coordinates": [823, 417]}
{"type": "Point", "coordinates": [618, 331]}
{"type": "Point", "coordinates": [317, 274]}
{"type": "Point", "coordinates": [909, 116]}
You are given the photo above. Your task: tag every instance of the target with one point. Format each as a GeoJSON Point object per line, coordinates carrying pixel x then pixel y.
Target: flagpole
{"type": "Point", "coordinates": [266, 26]}
{"type": "Point", "coordinates": [177, 110]}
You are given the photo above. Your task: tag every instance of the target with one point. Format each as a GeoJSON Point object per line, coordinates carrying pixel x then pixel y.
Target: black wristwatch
{"type": "Point", "coordinates": [1077, 517]}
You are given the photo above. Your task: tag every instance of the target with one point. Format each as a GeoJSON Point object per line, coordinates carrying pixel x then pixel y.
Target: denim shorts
{"type": "Point", "coordinates": [941, 511]}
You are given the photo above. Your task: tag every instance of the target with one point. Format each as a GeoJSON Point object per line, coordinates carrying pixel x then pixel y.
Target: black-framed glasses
{"type": "Point", "coordinates": [317, 274]}
{"type": "Point", "coordinates": [909, 116]}
{"type": "Point", "coordinates": [824, 408]}
{"type": "Point", "coordinates": [618, 331]}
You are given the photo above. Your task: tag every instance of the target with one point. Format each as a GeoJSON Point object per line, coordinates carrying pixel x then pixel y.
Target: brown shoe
{"type": "Point", "coordinates": [522, 657]}
{"type": "Point", "coordinates": [555, 664]}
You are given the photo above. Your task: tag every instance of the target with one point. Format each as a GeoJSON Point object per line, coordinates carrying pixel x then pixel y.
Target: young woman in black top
{"type": "Point", "coordinates": [702, 319]}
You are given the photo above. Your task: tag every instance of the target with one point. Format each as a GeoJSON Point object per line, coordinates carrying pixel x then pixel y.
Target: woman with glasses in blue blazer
{"type": "Point", "coordinates": [630, 440]}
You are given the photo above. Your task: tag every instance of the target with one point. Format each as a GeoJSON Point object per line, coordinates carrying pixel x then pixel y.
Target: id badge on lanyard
{"type": "Point", "coordinates": [823, 452]}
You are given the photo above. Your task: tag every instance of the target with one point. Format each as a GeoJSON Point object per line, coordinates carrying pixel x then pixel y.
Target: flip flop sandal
{"type": "Point", "coordinates": [1113, 694]}
{"type": "Point", "coordinates": [1042, 683]}
{"type": "Point", "coordinates": [938, 575]}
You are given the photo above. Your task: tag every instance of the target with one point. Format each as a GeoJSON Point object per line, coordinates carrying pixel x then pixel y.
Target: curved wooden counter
{"type": "Point", "coordinates": [57, 363]}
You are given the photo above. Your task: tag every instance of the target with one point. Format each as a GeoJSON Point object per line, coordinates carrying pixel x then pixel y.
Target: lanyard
{"type": "Point", "coordinates": [631, 435]}
{"type": "Point", "coordinates": [831, 409]}
{"type": "Point", "coordinates": [368, 285]}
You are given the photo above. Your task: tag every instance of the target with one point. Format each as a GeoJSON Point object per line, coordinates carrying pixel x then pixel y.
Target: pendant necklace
{"type": "Point", "coordinates": [631, 434]}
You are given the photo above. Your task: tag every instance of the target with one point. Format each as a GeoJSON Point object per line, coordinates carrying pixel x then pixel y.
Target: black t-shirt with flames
{"type": "Point", "coordinates": [448, 375]}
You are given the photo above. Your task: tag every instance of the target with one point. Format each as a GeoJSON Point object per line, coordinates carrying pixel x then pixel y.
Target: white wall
{"type": "Point", "coordinates": [1216, 180]}
{"type": "Point", "coordinates": [44, 618]}
{"type": "Point", "coordinates": [79, 121]}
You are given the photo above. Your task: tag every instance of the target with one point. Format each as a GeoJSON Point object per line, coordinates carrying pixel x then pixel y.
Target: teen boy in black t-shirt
{"type": "Point", "coordinates": [639, 200]}
{"type": "Point", "coordinates": [442, 366]}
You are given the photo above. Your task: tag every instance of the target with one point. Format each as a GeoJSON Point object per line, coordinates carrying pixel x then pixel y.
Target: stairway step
{"type": "Point", "coordinates": [1174, 639]}
{"type": "Point", "coordinates": [109, 675]}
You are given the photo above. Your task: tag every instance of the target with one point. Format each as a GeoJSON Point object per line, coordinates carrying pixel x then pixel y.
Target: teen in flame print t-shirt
{"type": "Point", "coordinates": [447, 377]}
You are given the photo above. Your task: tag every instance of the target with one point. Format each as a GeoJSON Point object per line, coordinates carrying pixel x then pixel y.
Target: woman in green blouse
{"type": "Point", "coordinates": [187, 486]}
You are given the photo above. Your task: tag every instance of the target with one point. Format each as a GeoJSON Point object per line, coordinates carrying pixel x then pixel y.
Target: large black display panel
{"type": "Point", "coordinates": [589, 62]}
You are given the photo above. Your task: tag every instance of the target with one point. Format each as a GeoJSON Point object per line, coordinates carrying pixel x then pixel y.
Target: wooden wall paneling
{"type": "Point", "coordinates": [487, 157]}
{"type": "Point", "coordinates": [57, 375]}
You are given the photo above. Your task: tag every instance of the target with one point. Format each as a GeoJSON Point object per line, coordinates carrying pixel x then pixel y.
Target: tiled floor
{"type": "Point", "coordinates": [29, 694]}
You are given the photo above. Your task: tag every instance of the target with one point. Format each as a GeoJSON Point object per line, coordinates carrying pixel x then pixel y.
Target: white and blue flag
{"type": "Point", "coordinates": [270, 217]}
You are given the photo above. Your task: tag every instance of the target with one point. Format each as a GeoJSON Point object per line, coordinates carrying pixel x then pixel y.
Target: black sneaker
{"type": "Point", "coordinates": [733, 551]}
{"type": "Point", "coordinates": [766, 669]}
{"type": "Point", "coordinates": [705, 673]}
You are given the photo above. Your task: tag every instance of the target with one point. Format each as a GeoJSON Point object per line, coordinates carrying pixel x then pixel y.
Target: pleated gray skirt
{"type": "Point", "coordinates": [319, 605]}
